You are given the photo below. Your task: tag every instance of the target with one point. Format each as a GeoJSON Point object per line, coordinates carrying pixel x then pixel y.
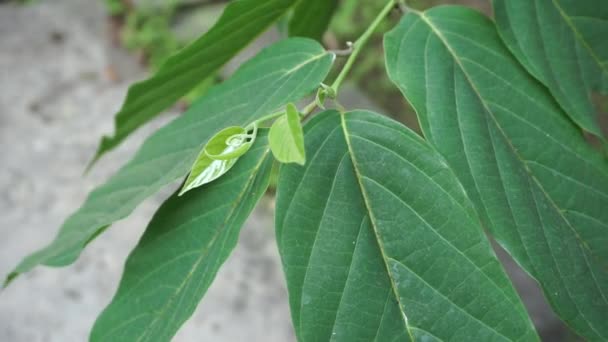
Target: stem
{"type": "Point", "coordinates": [359, 43]}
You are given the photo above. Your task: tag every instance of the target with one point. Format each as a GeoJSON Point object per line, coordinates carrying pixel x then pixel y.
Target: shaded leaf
{"type": "Point", "coordinates": [181, 251]}
{"type": "Point", "coordinates": [311, 18]}
{"type": "Point", "coordinates": [380, 243]}
{"type": "Point", "coordinates": [563, 44]}
{"type": "Point", "coordinates": [540, 189]}
{"type": "Point", "coordinates": [241, 22]}
{"type": "Point", "coordinates": [287, 139]}
{"type": "Point", "coordinates": [219, 155]}
{"type": "Point", "coordinates": [282, 73]}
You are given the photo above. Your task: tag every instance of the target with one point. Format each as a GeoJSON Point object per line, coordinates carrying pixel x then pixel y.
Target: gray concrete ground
{"type": "Point", "coordinates": [56, 100]}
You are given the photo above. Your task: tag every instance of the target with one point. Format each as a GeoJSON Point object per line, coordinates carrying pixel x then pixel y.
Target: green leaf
{"type": "Point", "coordinates": [282, 73]}
{"type": "Point", "coordinates": [287, 139]}
{"type": "Point", "coordinates": [540, 189]}
{"type": "Point", "coordinates": [181, 251]}
{"type": "Point", "coordinates": [380, 243]}
{"type": "Point", "coordinates": [241, 22]}
{"type": "Point", "coordinates": [219, 155]}
{"type": "Point", "coordinates": [311, 18]}
{"type": "Point", "coordinates": [563, 44]}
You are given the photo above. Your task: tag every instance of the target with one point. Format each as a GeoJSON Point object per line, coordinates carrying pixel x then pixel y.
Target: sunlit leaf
{"type": "Point", "coordinates": [287, 139]}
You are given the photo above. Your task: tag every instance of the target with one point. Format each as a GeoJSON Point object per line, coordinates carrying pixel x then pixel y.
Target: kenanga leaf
{"type": "Point", "coordinates": [539, 188]}
{"type": "Point", "coordinates": [563, 43]}
{"type": "Point", "coordinates": [311, 18]}
{"type": "Point", "coordinates": [178, 257]}
{"type": "Point", "coordinates": [380, 243]}
{"type": "Point", "coordinates": [241, 22]}
{"type": "Point", "coordinates": [286, 137]}
{"type": "Point", "coordinates": [282, 73]}
{"type": "Point", "coordinates": [219, 155]}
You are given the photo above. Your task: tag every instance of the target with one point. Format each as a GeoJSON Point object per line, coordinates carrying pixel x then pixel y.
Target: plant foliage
{"type": "Point", "coordinates": [381, 232]}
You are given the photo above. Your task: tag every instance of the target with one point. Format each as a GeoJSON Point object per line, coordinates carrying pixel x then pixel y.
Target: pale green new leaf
{"type": "Point", "coordinates": [219, 155]}
{"type": "Point", "coordinates": [181, 251]}
{"type": "Point", "coordinates": [380, 243]}
{"type": "Point", "coordinates": [287, 139]}
{"type": "Point", "coordinates": [282, 73]}
{"type": "Point", "coordinates": [540, 189]}
{"type": "Point", "coordinates": [564, 44]}
{"type": "Point", "coordinates": [241, 22]}
{"type": "Point", "coordinates": [311, 18]}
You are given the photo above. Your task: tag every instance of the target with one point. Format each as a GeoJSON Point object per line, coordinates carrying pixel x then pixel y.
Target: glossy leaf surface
{"type": "Point", "coordinates": [219, 155]}
{"type": "Point", "coordinates": [282, 73]}
{"type": "Point", "coordinates": [563, 44]}
{"type": "Point", "coordinates": [380, 243]}
{"type": "Point", "coordinates": [311, 18]}
{"type": "Point", "coordinates": [178, 257]}
{"type": "Point", "coordinates": [287, 139]}
{"type": "Point", "coordinates": [540, 189]}
{"type": "Point", "coordinates": [241, 22]}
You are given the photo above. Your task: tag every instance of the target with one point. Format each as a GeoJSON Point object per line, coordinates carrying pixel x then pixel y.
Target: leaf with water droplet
{"type": "Point", "coordinates": [219, 155]}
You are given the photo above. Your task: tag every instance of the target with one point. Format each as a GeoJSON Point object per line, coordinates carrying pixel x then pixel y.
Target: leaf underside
{"type": "Point", "coordinates": [286, 138]}
{"type": "Point", "coordinates": [241, 22]}
{"type": "Point", "coordinates": [563, 44]}
{"type": "Point", "coordinates": [178, 257]}
{"type": "Point", "coordinates": [282, 73]}
{"type": "Point", "coordinates": [379, 242]}
{"type": "Point", "coordinates": [539, 188]}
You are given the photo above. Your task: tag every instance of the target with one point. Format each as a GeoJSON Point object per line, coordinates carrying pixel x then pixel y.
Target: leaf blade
{"type": "Point", "coordinates": [311, 18]}
{"type": "Point", "coordinates": [390, 248]}
{"type": "Point", "coordinates": [162, 284]}
{"type": "Point", "coordinates": [287, 139]}
{"type": "Point", "coordinates": [559, 43]}
{"type": "Point", "coordinates": [522, 162]}
{"type": "Point", "coordinates": [270, 80]}
{"type": "Point", "coordinates": [241, 22]}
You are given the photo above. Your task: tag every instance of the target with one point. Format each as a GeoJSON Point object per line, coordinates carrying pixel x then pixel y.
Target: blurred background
{"type": "Point", "coordinates": [65, 66]}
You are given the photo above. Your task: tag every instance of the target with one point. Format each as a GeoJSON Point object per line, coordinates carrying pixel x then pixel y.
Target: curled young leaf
{"type": "Point", "coordinates": [287, 139]}
{"type": "Point", "coordinates": [219, 155]}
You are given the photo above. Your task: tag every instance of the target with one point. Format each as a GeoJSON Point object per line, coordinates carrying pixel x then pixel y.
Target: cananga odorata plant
{"type": "Point", "coordinates": [381, 231]}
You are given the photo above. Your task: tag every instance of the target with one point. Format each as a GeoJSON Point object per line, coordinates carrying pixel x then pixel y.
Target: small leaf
{"type": "Point", "coordinates": [270, 80]}
{"type": "Point", "coordinates": [380, 243]}
{"type": "Point", "coordinates": [179, 255]}
{"type": "Point", "coordinates": [539, 188]}
{"type": "Point", "coordinates": [286, 137]}
{"type": "Point", "coordinates": [563, 44]}
{"type": "Point", "coordinates": [241, 22]}
{"type": "Point", "coordinates": [311, 18]}
{"type": "Point", "coordinates": [219, 155]}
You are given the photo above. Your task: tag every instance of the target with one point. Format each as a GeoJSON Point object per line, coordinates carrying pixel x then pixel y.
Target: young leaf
{"type": "Point", "coordinates": [219, 155]}
{"type": "Point", "coordinates": [282, 73]}
{"type": "Point", "coordinates": [389, 247]}
{"type": "Point", "coordinates": [540, 189]}
{"type": "Point", "coordinates": [287, 139]}
{"type": "Point", "coordinates": [241, 22]}
{"type": "Point", "coordinates": [178, 257]}
{"type": "Point", "coordinates": [563, 44]}
{"type": "Point", "coordinates": [311, 18]}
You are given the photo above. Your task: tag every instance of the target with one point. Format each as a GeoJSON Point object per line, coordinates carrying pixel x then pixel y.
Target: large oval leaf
{"type": "Point", "coordinates": [181, 251]}
{"type": "Point", "coordinates": [540, 189]}
{"type": "Point", "coordinates": [282, 73]}
{"type": "Point", "coordinates": [241, 22]}
{"type": "Point", "coordinates": [380, 243]}
{"type": "Point", "coordinates": [563, 43]}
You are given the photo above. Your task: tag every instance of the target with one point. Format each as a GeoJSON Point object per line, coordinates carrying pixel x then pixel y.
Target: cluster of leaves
{"type": "Point", "coordinates": [380, 231]}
